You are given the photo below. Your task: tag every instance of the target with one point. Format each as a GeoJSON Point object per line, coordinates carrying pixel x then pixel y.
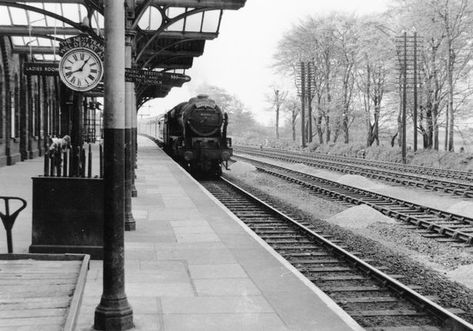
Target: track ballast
{"type": "Point", "coordinates": [434, 223]}
{"type": "Point", "coordinates": [371, 297]}
{"type": "Point", "coordinates": [449, 181]}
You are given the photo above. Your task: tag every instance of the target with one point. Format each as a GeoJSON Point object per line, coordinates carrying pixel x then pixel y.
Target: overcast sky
{"type": "Point", "coordinates": [240, 59]}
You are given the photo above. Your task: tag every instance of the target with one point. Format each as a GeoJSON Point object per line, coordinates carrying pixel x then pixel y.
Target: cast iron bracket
{"type": "Point", "coordinates": [9, 219]}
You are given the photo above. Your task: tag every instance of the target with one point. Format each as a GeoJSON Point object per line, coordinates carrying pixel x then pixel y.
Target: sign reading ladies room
{"type": "Point", "coordinates": [41, 68]}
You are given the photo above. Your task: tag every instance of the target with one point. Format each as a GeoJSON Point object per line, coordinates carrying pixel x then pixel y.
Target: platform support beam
{"type": "Point", "coordinates": [114, 312]}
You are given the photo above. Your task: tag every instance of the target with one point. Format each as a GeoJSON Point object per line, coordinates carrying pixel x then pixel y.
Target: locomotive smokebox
{"type": "Point", "coordinates": [195, 135]}
{"type": "Point", "coordinates": [202, 116]}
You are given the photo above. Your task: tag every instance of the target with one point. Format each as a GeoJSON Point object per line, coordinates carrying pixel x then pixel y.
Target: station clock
{"type": "Point", "coordinates": [81, 69]}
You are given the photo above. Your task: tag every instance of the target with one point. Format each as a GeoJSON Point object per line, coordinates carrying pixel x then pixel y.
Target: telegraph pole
{"type": "Point", "coordinates": [310, 66]}
{"type": "Point", "coordinates": [404, 98]}
{"type": "Point", "coordinates": [114, 312]}
{"type": "Point", "coordinates": [415, 91]}
{"type": "Point", "coordinates": [407, 51]}
{"type": "Point", "coordinates": [303, 97]}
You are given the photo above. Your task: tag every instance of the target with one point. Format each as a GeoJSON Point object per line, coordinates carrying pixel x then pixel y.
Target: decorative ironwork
{"type": "Point", "coordinates": [167, 34]}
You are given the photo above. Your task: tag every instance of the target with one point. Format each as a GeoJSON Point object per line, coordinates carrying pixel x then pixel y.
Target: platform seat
{"type": "Point", "coordinates": [41, 291]}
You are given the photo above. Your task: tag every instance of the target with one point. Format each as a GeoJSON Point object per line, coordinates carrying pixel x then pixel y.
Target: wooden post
{"type": "Point", "coordinates": [65, 161]}
{"type": "Point", "coordinates": [46, 165]}
{"type": "Point", "coordinates": [89, 162]}
{"type": "Point", "coordinates": [76, 134]}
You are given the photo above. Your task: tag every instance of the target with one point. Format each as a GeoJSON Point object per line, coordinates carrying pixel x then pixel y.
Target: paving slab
{"type": "Point", "coordinates": [227, 322]}
{"type": "Point", "coordinates": [205, 271]}
{"type": "Point", "coordinates": [191, 264]}
{"type": "Point", "coordinates": [216, 305]}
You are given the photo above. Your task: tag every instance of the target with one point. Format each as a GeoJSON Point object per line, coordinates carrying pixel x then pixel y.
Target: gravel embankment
{"type": "Point", "coordinates": [441, 269]}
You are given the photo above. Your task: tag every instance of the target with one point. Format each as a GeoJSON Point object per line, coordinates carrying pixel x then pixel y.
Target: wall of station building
{"type": "Point", "coordinates": [31, 108]}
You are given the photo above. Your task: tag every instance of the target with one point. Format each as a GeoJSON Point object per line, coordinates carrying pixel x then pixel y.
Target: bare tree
{"type": "Point", "coordinates": [346, 35]}
{"type": "Point", "coordinates": [352, 58]}
{"type": "Point", "coordinates": [313, 40]}
{"type": "Point", "coordinates": [292, 105]}
{"type": "Point", "coordinates": [456, 19]}
{"type": "Point", "coordinates": [446, 27]}
{"type": "Point", "coordinates": [279, 97]}
{"type": "Point", "coordinates": [375, 64]}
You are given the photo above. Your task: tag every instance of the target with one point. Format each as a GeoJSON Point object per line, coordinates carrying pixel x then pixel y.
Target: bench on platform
{"type": "Point", "coordinates": [41, 291]}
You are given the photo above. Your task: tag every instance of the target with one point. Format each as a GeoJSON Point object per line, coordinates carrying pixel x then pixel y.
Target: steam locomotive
{"type": "Point", "coordinates": [194, 133]}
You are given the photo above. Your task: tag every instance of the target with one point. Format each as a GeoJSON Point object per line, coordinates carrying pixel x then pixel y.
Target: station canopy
{"type": "Point", "coordinates": [168, 34]}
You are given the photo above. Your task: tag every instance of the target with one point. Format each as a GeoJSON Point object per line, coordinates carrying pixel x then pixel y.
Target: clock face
{"type": "Point", "coordinates": [81, 69]}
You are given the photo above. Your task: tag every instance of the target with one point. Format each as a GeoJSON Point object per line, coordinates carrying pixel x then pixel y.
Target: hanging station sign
{"type": "Point", "coordinates": [149, 77]}
{"type": "Point", "coordinates": [81, 67]}
{"type": "Point", "coordinates": [41, 68]}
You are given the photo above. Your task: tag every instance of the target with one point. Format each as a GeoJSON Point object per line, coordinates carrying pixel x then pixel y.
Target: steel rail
{"type": "Point", "coordinates": [436, 172]}
{"type": "Point", "coordinates": [455, 188]}
{"type": "Point", "coordinates": [447, 318]}
{"type": "Point", "coordinates": [410, 213]}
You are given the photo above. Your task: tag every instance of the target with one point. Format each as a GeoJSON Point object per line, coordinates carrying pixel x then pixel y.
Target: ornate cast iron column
{"type": "Point", "coordinates": [114, 312]}
{"type": "Point", "coordinates": [130, 224]}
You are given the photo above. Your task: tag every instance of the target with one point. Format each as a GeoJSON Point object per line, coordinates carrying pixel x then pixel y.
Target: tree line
{"type": "Point", "coordinates": [356, 74]}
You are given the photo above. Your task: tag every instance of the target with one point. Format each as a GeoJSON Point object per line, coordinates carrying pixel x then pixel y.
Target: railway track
{"type": "Point", "coordinates": [449, 181]}
{"type": "Point", "coordinates": [432, 223]}
{"type": "Point", "coordinates": [373, 298]}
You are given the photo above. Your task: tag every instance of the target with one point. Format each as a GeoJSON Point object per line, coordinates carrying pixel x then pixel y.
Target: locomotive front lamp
{"type": "Point", "coordinates": [188, 155]}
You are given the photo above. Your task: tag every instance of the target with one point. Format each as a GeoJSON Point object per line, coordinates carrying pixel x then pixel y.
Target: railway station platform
{"type": "Point", "coordinates": [190, 264]}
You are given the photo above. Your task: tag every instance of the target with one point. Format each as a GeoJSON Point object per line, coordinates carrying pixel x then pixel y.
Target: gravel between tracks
{"type": "Point", "coordinates": [441, 269]}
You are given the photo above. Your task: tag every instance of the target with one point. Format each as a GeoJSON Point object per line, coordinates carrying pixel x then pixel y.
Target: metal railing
{"type": "Point", "coordinates": [73, 162]}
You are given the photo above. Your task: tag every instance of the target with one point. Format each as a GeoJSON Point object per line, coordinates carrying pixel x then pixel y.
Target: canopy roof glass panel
{"type": "Point", "coordinates": [168, 33]}
{"type": "Point", "coordinates": [151, 19]}
{"type": "Point", "coordinates": [37, 14]}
